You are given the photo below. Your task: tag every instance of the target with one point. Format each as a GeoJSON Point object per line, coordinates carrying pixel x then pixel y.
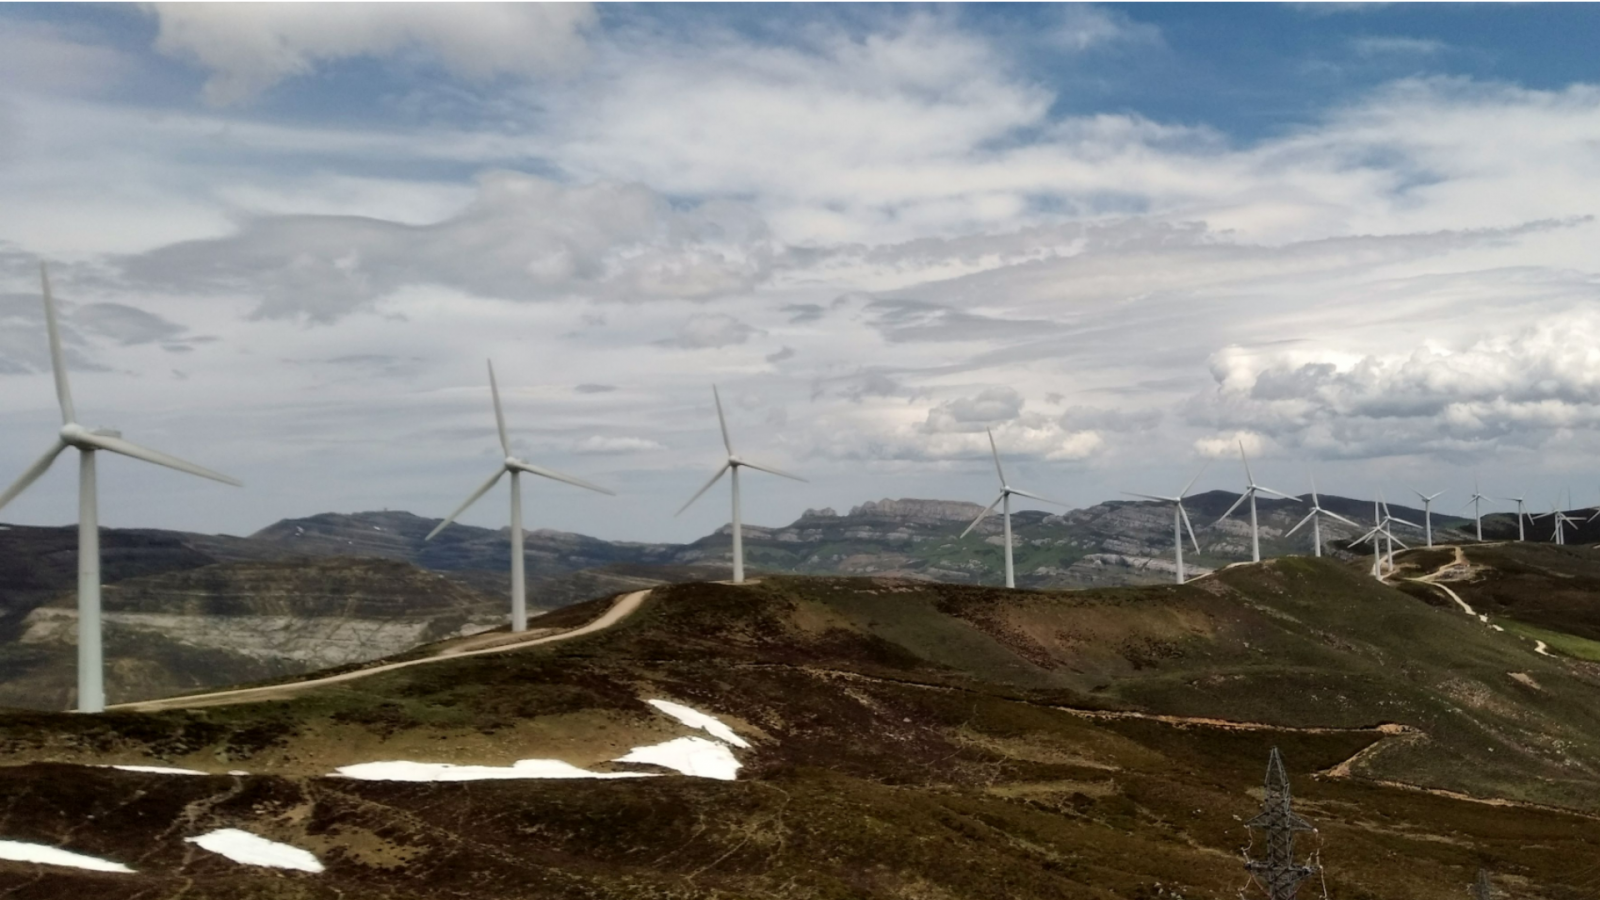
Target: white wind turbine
{"type": "Point", "coordinates": [1004, 501]}
{"type": "Point", "coordinates": [1522, 535]}
{"type": "Point", "coordinates": [91, 661]}
{"type": "Point", "coordinates": [1427, 511]}
{"type": "Point", "coordinates": [1250, 491]}
{"type": "Point", "coordinates": [1316, 523]}
{"type": "Point", "coordinates": [1560, 519]}
{"type": "Point", "coordinates": [1380, 515]}
{"type": "Point", "coordinates": [1389, 520]}
{"type": "Point", "coordinates": [733, 464]}
{"type": "Point", "coordinates": [1473, 502]}
{"type": "Point", "coordinates": [1180, 521]}
{"type": "Point", "coordinates": [519, 585]}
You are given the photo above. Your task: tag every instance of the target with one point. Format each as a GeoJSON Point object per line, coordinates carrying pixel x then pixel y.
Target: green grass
{"type": "Point", "coordinates": [1555, 641]}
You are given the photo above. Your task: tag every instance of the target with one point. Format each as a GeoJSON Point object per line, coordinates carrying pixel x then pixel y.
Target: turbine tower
{"type": "Point", "coordinates": [1560, 519]}
{"type": "Point", "coordinates": [515, 466]}
{"type": "Point", "coordinates": [1383, 531]}
{"type": "Point", "coordinates": [91, 661]}
{"type": "Point", "coordinates": [1473, 502]}
{"type": "Point", "coordinates": [1521, 534]}
{"type": "Point", "coordinates": [1316, 523]}
{"type": "Point", "coordinates": [1004, 501]}
{"type": "Point", "coordinates": [1427, 511]}
{"type": "Point", "coordinates": [1483, 889]}
{"type": "Point", "coordinates": [1250, 491]}
{"type": "Point", "coordinates": [1179, 517]}
{"type": "Point", "coordinates": [733, 464]}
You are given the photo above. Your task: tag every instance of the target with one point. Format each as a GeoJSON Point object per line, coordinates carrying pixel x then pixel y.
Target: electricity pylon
{"type": "Point", "coordinates": [1277, 873]}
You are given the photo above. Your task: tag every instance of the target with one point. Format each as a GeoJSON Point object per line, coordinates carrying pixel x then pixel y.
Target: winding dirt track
{"type": "Point", "coordinates": [477, 645]}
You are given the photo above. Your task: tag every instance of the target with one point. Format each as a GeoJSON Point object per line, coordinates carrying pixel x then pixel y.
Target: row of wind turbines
{"type": "Point", "coordinates": [1381, 535]}
{"type": "Point", "coordinates": [91, 660]}
{"type": "Point", "coordinates": [88, 442]}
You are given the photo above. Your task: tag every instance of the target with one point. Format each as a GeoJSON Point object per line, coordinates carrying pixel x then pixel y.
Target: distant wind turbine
{"type": "Point", "coordinates": [91, 661]}
{"type": "Point", "coordinates": [1560, 518]}
{"type": "Point", "coordinates": [1179, 517]}
{"type": "Point", "coordinates": [733, 464]}
{"type": "Point", "coordinates": [519, 585]}
{"type": "Point", "coordinates": [1427, 511]}
{"type": "Point", "coordinates": [1473, 502]}
{"type": "Point", "coordinates": [1316, 522]}
{"type": "Point", "coordinates": [1004, 501]}
{"type": "Point", "coordinates": [1380, 514]}
{"type": "Point", "coordinates": [1521, 534]}
{"type": "Point", "coordinates": [1250, 491]}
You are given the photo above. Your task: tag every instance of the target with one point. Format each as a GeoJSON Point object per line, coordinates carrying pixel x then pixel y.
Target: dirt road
{"type": "Point", "coordinates": [472, 646]}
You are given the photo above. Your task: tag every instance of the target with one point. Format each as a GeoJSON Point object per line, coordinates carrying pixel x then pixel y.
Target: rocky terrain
{"type": "Point", "coordinates": [894, 738]}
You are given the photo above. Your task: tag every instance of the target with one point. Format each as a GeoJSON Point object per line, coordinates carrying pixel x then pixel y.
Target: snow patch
{"type": "Point", "coordinates": [697, 719]}
{"type": "Point", "coordinates": [158, 770]}
{"type": "Point", "coordinates": [1541, 648]}
{"type": "Point", "coordinates": [690, 755]}
{"type": "Point", "coordinates": [22, 851]}
{"type": "Point", "coordinates": [403, 770]}
{"type": "Point", "coordinates": [255, 850]}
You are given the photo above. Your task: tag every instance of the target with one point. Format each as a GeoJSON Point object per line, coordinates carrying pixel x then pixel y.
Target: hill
{"type": "Point", "coordinates": [907, 739]}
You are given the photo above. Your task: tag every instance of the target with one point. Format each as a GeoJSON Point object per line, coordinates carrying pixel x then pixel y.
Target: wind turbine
{"type": "Point", "coordinates": [1427, 511]}
{"type": "Point", "coordinates": [1179, 516]}
{"type": "Point", "coordinates": [519, 585]}
{"type": "Point", "coordinates": [1004, 501]}
{"type": "Point", "coordinates": [1316, 523]}
{"type": "Point", "coordinates": [1381, 530]}
{"type": "Point", "coordinates": [733, 464]}
{"type": "Point", "coordinates": [1521, 534]}
{"type": "Point", "coordinates": [1473, 502]}
{"type": "Point", "coordinates": [91, 660]}
{"type": "Point", "coordinates": [1388, 520]}
{"type": "Point", "coordinates": [1250, 491]}
{"type": "Point", "coordinates": [1560, 518]}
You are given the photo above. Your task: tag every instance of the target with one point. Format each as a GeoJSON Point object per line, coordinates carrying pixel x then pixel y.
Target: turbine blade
{"type": "Point", "coordinates": [470, 500]}
{"type": "Point", "coordinates": [1248, 477]}
{"type": "Point", "coordinates": [1404, 522]}
{"type": "Point", "coordinates": [1035, 497]}
{"type": "Point", "coordinates": [770, 471]}
{"type": "Point", "coordinates": [1185, 491]}
{"type": "Point", "coordinates": [553, 475]}
{"type": "Point", "coordinates": [1302, 522]}
{"type": "Point", "coordinates": [988, 509]}
{"type": "Point", "coordinates": [1151, 497]}
{"type": "Point", "coordinates": [32, 474]}
{"type": "Point", "coordinates": [722, 420]}
{"type": "Point", "coordinates": [499, 417]}
{"type": "Point", "coordinates": [1340, 518]}
{"type": "Point", "coordinates": [1315, 500]}
{"type": "Point", "coordinates": [1234, 506]}
{"type": "Point", "coordinates": [996, 451]}
{"type": "Point", "coordinates": [725, 468]}
{"type": "Point", "coordinates": [57, 361]}
{"type": "Point", "coordinates": [1267, 490]}
{"type": "Point", "coordinates": [1184, 514]}
{"type": "Point", "coordinates": [1403, 544]}
{"type": "Point", "coordinates": [129, 448]}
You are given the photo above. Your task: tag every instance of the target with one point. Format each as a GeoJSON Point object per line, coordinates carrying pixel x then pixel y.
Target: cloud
{"type": "Point", "coordinates": [967, 414]}
{"type": "Point", "coordinates": [522, 237]}
{"type": "Point", "coordinates": [1221, 446]}
{"type": "Point", "coordinates": [616, 445]}
{"type": "Point", "coordinates": [802, 312]}
{"type": "Point", "coordinates": [1082, 27]}
{"type": "Point", "coordinates": [595, 388]}
{"type": "Point", "coordinates": [1399, 46]}
{"type": "Point", "coordinates": [709, 330]}
{"type": "Point", "coordinates": [53, 59]}
{"type": "Point", "coordinates": [1119, 420]}
{"type": "Point", "coordinates": [780, 355]}
{"type": "Point", "coordinates": [1522, 388]}
{"type": "Point", "coordinates": [249, 48]}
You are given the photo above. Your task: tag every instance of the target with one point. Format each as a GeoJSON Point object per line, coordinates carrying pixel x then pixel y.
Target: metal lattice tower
{"type": "Point", "coordinates": [1483, 890]}
{"type": "Point", "coordinates": [1277, 873]}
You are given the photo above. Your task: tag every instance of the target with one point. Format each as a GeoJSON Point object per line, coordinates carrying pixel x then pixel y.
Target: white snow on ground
{"type": "Point", "coordinates": [159, 770]}
{"type": "Point", "coordinates": [690, 755]}
{"type": "Point", "coordinates": [255, 850]}
{"type": "Point", "coordinates": [697, 719]}
{"type": "Point", "coordinates": [1541, 647]}
{"type": "Point", "coordinates": [22, 851]}
{"type": "Point", "coordinates": [402, 770]}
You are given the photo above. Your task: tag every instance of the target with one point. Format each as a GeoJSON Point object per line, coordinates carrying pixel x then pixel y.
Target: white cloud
{"type": "Point", "coordinates": [709, 330]}
{"type": "Point", "coordinates": [599, 444]}
{"type": "Point", "coordinates": [973, 414]}
{"type": "Point", "coordinates": [248, 48]}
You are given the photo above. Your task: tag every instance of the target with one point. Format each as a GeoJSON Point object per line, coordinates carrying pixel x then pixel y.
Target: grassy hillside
{"type": "Point", "coordinates": [910, 740]}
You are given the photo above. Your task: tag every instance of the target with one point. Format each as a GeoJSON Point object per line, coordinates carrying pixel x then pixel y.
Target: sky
{"type": "Point", "coordinates": [1359, 240]}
